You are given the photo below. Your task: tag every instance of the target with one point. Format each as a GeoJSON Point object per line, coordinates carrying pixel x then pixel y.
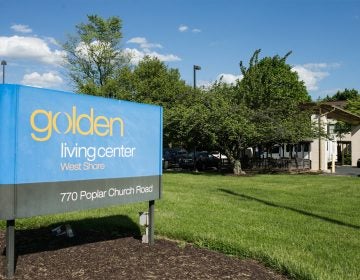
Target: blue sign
{"type": "Point", "coordinates": [62, 151]}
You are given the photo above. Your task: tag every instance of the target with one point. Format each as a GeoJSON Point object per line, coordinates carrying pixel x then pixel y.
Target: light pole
{"type": "Point", "coordinates": [3, 63]}
{"type": "Point", "coordinates": [196, 67]}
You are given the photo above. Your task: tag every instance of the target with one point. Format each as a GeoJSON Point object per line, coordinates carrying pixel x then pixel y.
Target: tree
{"type": "Point", "coordinates": [188, 122]}
{"type": "Point", "coordinates": [229, 121]}
{"type": "Point", "coordinates": [344, 95]}
{"type": "Point", "coordinates": [273, 92]}
{"type": "Point", "coordinates": [155, 83]}
{"type": "Point", "coordinates": [152, 82]}
{"type": "Point", "coordinates": [93, 54]}
{"type": "Point", "coordinates": [353, 105]}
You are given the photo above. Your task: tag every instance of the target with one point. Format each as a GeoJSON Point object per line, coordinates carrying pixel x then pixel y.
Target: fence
{"type": "Point", "coordinates": [285, 164]}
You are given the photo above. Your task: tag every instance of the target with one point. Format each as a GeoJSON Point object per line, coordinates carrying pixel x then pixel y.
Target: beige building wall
{"type": "Point", "coordinates": [315, 149]}
{"type": "Point", "coordinates": [355, 145]}
{"type": "Point", "coordinates": [328, 148]}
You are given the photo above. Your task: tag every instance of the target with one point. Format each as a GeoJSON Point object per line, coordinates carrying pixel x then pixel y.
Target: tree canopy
{"type": "Point", "coordinates": [261, 109]}
{"type": "Point", "coordinates": [353, 105]}
{"type": "Point", "coordinates": [94, 55]}
{"type": "Point", "coordinates": [273, 92]}
{"type": "Point", "coordinates": [346, 94]}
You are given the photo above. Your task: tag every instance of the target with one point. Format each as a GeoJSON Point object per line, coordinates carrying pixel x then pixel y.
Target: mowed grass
{"type": "Point", "coordinates": [306, 226]}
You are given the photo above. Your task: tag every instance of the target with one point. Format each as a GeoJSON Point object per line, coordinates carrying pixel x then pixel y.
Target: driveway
{"type": "Point", "coordinates": [347, 170]}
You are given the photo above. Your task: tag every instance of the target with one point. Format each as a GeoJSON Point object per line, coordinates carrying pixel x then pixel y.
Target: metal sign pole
{"type": "Point", "coordinates": [151, 221]}
{"type": "Point", "coordinates": [10, 248]}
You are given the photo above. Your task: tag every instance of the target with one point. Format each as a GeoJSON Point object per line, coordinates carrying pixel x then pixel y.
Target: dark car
{"type": "Point", "coordinates": [358, 163]}
{"type": "Point", "coordinates": [187, 161]}
{"type": "Point", "coordinates": [206, 160]}
{"type": "Point", "coordinates": [172, 156]}
{"type": "Point", "coordinates": [203, 160]}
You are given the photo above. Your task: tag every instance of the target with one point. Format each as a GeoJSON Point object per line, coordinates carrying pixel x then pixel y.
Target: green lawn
{"type": "Point", "coordinates": [307, 226]}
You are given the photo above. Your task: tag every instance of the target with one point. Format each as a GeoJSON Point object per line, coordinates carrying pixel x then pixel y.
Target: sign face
{"type": "Point", "coordinates": [62, 151]}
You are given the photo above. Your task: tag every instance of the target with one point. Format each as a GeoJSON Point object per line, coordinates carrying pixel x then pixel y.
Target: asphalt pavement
{"type": "Point", "coordinates": [347, 170]}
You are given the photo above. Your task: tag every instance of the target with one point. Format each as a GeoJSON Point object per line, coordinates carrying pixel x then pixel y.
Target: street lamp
{"type": "Point", "coordinates": [3, 63]}
{"type": "Point", "coordinates": [196, 67]}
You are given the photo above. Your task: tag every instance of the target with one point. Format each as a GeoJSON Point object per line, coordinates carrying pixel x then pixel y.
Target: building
{"type": "Point", "coordinates": [319, 154]}
{"type": "Point", "coordinates": [323, 150]}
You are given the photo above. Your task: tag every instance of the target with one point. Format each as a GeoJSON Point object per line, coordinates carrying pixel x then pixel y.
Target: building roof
{"type": "Point", "coordinates": [338, 103]}
{"type": "Point", "coordinates": [333, 112]}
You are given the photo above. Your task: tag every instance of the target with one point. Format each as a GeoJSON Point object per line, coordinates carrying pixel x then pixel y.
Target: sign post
{"type": "Point", "coordinates": [10, 248]}
{"type": "Point", "coordinates": [63, 152]}
{"type": "Point", "coordinates": [151, 221]}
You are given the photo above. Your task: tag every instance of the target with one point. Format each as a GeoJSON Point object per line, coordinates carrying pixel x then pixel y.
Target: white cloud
{"type": "Point", "coordinates": [223, 78]}
{"type": "Point", "coordinates": [53, 41]}
{"type": "Point", "coordinates": [96, 47]}
{"type": "Point", "coordinates": [137, 56]}
{"type": "Point", "coordinates": [164, 57]}
{"type": "Point", "coordinates": [143, 43]}
{"type": "Point", "coordinates": [229, 78]}
{"type": "Point", "coordinates": [21, 28]}
{"type": "Point", "coordinates": [313, 73]}
{"type": "Point", "coordinates": [183, 28]}
{"type": "Point", "coordinates": [204, 84]}
{"type": "Point", "coordinates": [32, 48]}
{"type": "Point", "coordinates": [47, 80]}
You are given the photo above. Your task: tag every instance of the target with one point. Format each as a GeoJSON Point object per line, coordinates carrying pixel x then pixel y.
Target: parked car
{"type": "Point", "coordinates": [187, 161]}
{"type": "Point", "coordinates": [205, 160]}
{"type": "Point", "coordinates": [223, 158]}
{"type": "Point", "coordinates": [172, 156]}
{"type": "Point", "coordinates": [358, 163]}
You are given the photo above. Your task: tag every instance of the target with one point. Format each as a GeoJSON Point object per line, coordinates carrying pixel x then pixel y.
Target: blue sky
{"type": "Point", "coordinates": [323, 35]}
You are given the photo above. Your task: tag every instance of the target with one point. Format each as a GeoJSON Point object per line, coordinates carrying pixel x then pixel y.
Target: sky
{"type": "Point", "coordinates": [323, 35]}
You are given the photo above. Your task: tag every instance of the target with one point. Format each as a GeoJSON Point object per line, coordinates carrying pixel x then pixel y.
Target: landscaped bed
{"type": "Point", "coordinates": [95, 254]}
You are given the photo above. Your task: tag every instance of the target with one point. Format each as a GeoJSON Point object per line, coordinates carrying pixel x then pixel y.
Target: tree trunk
{"type": "Point", "coordinates": [237, 168]}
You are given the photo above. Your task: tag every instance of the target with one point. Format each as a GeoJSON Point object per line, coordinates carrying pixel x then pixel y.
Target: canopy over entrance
{"type": "Point", "coordinates": [333, 112]}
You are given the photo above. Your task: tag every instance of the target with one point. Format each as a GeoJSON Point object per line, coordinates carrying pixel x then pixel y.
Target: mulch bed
{"type": "Point", "coordinates": [97, 255]}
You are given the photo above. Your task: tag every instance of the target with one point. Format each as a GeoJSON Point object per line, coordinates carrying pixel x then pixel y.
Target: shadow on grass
{"type": "Point", "coordinates": [269, 203]}
{"type": "Point", "coordinates": [85, 231]}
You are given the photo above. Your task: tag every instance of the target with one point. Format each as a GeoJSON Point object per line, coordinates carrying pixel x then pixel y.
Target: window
{"type": "Point", "coordinates": [330, 128]}
{"type": "Point", "coordinates": [306, 147]}
{"type": "Point", "coordinates": [298, 148]}
{"type": "Point", "coordinates": [288, 148]}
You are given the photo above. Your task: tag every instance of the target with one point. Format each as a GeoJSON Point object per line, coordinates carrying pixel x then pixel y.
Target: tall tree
{"type": "Point", "coordinates": [94, 54]}
{"type": "Point", "coordinates": [151, 81]}
{"type": "Point", "coordinates": [273, 92]}
{"type": "Point", "coordinates": [154, 82]}
{"type": "Point", "coordinates": [229, 121]}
